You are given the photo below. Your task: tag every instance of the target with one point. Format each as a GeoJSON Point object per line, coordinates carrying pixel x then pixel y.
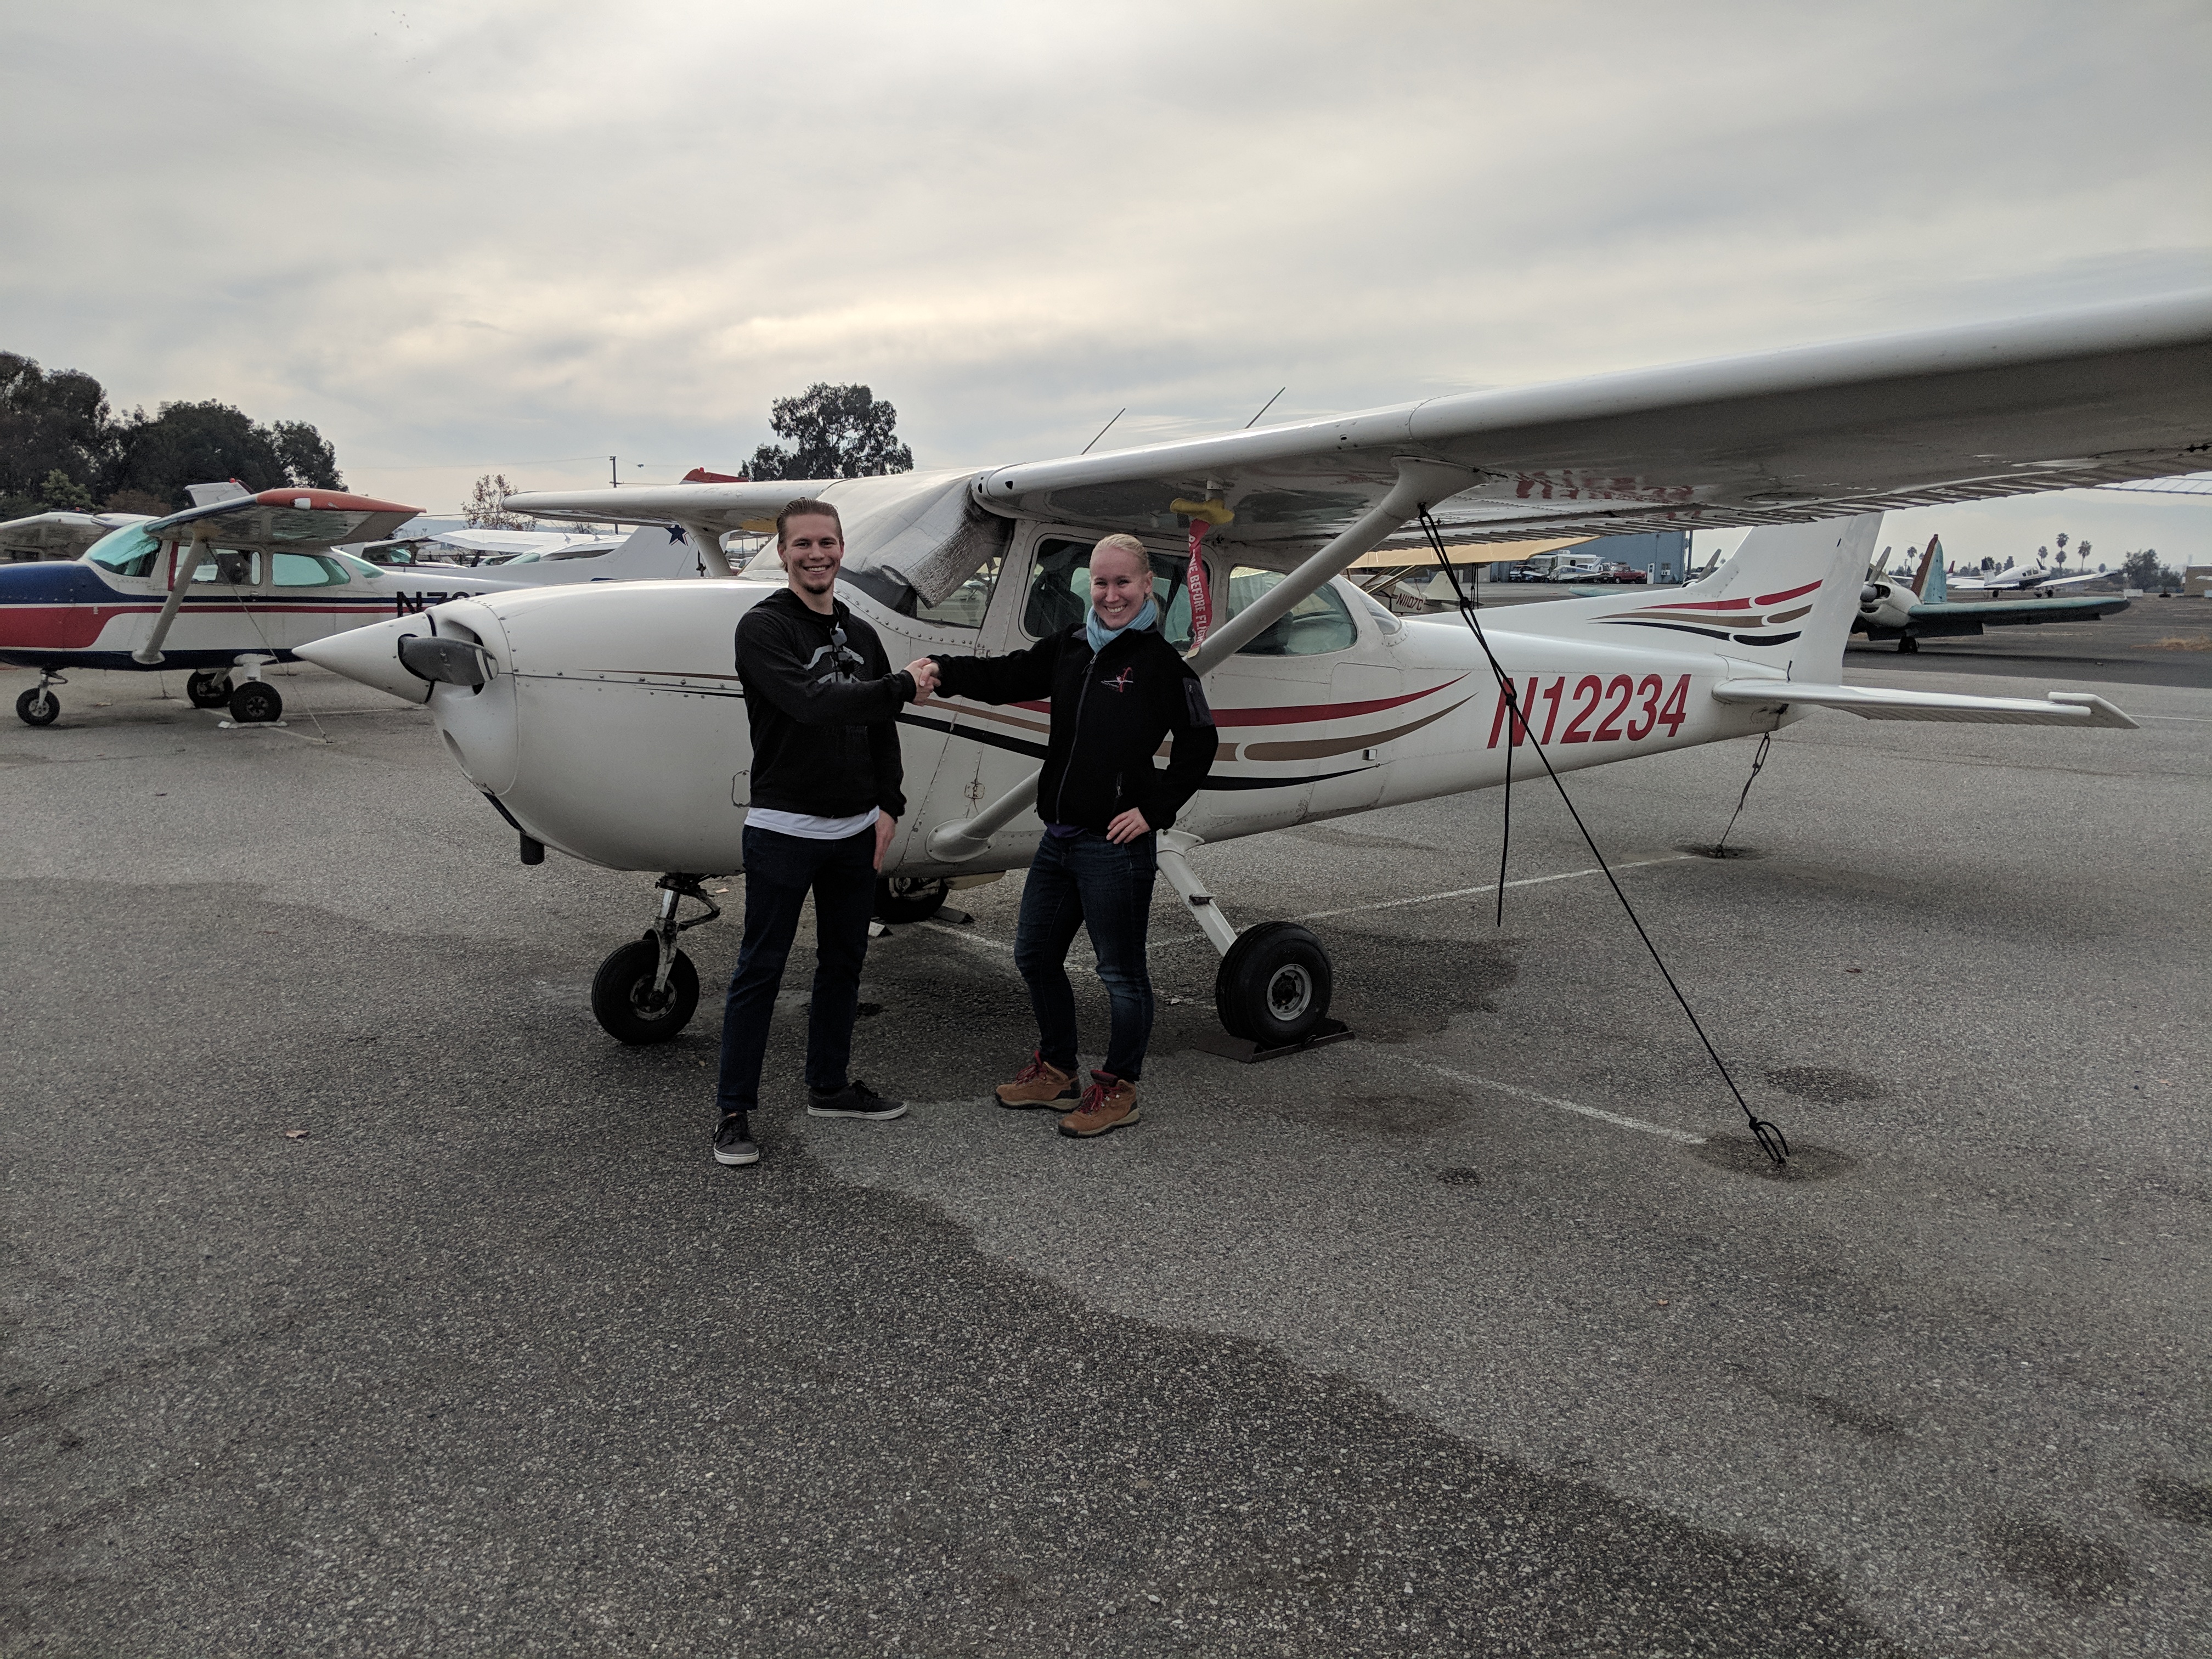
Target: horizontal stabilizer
{"type": "Point", "coordinates": [1880, 703]}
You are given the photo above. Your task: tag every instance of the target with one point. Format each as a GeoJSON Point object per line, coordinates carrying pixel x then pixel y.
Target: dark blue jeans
{"type": "Point", "coordinates": [780, 870]}
{"type": "Point", "coordinates": [1086, 881]}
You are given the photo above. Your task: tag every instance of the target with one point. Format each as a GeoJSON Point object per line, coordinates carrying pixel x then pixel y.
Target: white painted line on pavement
{"type": "Point", "coordinates": [1615, 1118]}
{"type": "Point", "coordinates": [1438, 898]}
{"type": "Point", "coordinates": [1487, 887]}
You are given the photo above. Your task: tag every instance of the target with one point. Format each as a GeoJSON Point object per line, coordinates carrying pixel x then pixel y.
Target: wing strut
{"type": "Point", "coordinates": [1419, 482]}
{"type": "Point", "coordinates": [1770, 1137]}
{"type": "Point", "coordinates": [187, 557]}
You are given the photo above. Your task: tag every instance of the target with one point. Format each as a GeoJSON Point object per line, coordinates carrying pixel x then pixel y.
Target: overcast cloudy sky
{"type": "Point", "coordinates": [519, 236]}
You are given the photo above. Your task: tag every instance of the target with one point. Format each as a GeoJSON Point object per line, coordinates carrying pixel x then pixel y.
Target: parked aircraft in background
{"type": "Point", "coordinates": [269, 577]}
{"type": "Point", "coordinates": [1921, 610]}
{"type": "Point", "coordinates": [601, 721]}
{"type": "Point", "coordinates": [58, 536]}
{"type": "Point", "coordinates": [234, 582]}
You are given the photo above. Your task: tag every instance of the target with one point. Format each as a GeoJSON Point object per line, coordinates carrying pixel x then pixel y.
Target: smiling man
{"type": "Point", "coordinates": [822, 701]}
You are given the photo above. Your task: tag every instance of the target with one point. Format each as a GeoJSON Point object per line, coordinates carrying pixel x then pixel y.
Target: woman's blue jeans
{"type": "Point", "coordinates": [1086, 881]}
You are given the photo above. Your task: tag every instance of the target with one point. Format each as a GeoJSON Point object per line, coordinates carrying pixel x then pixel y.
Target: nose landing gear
{"type": "Point", "coordinates": [209, 689]}
{"type": "Point", "coordinates": [648, 991]}
{"type": "Point", "coordinates": [38, 706]}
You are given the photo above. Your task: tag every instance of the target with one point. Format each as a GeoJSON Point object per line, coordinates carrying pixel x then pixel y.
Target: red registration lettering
{"type": "Point", "coordinates": [1520, 723]}
{"type": "Point", "coordinates": [1588, 691]}
{"type": "Point", "coordinates": [1678, 706]}
{"type": "Point", "coordinates": [1649, 689]}
{"type": "Point", "coordinates": [1552, 693]}
{"type": "Point", "coordinates": [1623, 689]}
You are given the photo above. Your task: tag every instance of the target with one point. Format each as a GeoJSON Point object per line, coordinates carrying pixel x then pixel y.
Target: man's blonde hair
{"type": "Point", "coordinates": [1121, 542]}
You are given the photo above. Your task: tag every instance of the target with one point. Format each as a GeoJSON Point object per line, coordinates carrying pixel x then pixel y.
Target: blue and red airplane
{"type": "Point", "coordinates": [234, 582]}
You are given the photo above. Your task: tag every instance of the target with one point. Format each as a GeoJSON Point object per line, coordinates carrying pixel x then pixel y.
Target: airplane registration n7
{"type": "Point", "coordinates": [606, 723]}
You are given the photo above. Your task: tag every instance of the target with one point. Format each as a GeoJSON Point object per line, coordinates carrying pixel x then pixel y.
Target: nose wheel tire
{"type": "Point", "coordinates": [38, 706]}
{"type": "Point", "coordinates": [1274, 985]}
{"type": "Point", "coordinates": [256, 703]}
{"type": "Point", "coordinates": [626, 1006]}
{"type": "Point", "coordinates": [208, 690]}
{"type": "Point", "coordinates": [908, 899]}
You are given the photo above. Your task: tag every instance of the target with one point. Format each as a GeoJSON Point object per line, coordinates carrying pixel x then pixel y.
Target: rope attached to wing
{"type": "Point", "coordinates": [1769, 1135]}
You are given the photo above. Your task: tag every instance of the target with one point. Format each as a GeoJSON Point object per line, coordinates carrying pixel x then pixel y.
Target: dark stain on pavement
{"type": "Point", "coordinates": [2060, 1564]}
{"type": "Point", "coordinates": [2171, 1499]}
{"type": "Point", "coordinates": [1825, 1082]}
{"type": "Point", "coordinates": [1739, 1154]}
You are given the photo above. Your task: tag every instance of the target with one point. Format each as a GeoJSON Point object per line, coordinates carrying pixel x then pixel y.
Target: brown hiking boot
{"type": "Point", "coordinates": [1040, 1083]}
{"type": "Point", "coordinates": [1111, 1103]}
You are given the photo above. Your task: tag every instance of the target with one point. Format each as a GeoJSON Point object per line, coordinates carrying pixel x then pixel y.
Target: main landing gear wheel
{"type": "Point", "coordinates": [256, 703]}
{"type": "Point", "coordinates": [908, 899]}
{"type": "Point", "coordinates": [1908, 643]}
{"type": "Point", "coordinates": [208, 690]}
{"type": "Point", "coordinates": [1274, 985]}
{"type": "Point", "coordinates": [626, 1005]}
{"type": "Point", "coordinates": [38, 706]}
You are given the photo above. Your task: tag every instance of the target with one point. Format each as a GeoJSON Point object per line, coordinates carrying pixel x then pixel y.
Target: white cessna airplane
{"type": "Point", "coordinates": [601, 721]}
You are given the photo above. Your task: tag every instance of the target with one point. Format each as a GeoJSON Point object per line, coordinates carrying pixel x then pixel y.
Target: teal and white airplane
{"type": "Point", "coordinates": [1924, 610]}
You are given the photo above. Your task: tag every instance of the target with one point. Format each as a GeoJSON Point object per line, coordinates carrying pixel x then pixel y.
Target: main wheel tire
{"type": "Point", "coordinates": [1908, 643]}
{"type": "Point", "coordinates": [1274, 985]}
{"type": "Point", "coordinates": [622, 999]}
{"type": "Point", "coordinates": [38, 706]}
{"type": "Point", "coordinates": [208, 690]}
{"type": "Point", "coordinates": [256, 703]}
{"type": "Point", "coordinates": [908, 899]}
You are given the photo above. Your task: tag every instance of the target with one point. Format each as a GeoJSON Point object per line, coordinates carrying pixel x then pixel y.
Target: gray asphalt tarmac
{"type": "Point", "coordinates": [1488, 1332]}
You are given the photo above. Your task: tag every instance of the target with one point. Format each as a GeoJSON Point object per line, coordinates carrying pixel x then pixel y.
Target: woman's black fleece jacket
{"type": "Point", "coordinates": [1110, 713]}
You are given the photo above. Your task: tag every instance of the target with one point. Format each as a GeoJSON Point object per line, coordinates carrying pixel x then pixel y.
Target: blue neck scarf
{"type": "Point", "coordinates": [1101, 637]}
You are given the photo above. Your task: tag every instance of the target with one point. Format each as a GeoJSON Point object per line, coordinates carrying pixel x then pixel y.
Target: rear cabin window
{"type": "Point", "coordinates": [307, 570]}
{"type": "Point", "coordinates": [1317, 623]}
{"type": "Point", "coordinates": [1059, 592]}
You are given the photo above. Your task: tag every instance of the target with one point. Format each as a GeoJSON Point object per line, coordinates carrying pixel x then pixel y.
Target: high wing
{"type": "Point", "coordinates": [284, 520]}
{"type": "Point", "coordinates": [2052, 402]}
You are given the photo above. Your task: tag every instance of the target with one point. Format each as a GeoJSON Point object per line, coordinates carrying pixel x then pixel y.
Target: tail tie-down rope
{"type": "Point", "coordinates": [1769, 1136]}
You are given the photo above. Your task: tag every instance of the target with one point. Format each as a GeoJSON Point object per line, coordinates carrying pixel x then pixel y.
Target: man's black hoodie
{"type": "Point", "coordinates": [1110, 712]}
{"type": "Point", "coordinates": [822, 701]}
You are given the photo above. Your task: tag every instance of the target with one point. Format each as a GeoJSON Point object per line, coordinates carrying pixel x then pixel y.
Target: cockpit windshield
{"type": "Point", "coordinates": [129, 551]}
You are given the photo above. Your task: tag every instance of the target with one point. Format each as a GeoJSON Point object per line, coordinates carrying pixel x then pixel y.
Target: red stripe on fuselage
{"type": "Point", "coordinates": [1295, 713]}
{"type": "Point", "coordinates": [1776, 599]}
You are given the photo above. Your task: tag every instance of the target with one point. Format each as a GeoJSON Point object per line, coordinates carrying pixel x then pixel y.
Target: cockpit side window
{"type": "Point", "coordinates": [129, 551]}
{"type": "Point", "coordinates": [229, 568]}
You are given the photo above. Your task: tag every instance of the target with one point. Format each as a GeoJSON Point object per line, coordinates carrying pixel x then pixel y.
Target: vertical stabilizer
{"type": "Point", "coordinates": [1789, 597]}
{"type": "Point", "coordinates": [1929, 584]}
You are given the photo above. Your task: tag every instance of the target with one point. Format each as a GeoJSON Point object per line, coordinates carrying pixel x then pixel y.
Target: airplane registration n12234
{"type": "Point", "coordinates": [603, 722]}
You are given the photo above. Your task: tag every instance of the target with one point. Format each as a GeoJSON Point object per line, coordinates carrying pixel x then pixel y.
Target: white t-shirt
{"type": "Point", "coordinates": [809, 826]}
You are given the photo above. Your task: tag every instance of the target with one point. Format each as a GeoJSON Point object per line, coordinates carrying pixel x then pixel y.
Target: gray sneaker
{"type": "Point", "coordinates": [733, 1141]}
{"type": "Point", "coordinates": [855, 1099]}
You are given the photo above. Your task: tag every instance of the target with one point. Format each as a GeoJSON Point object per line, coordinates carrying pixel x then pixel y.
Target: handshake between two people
{"type": "Point", "coordinates": [925, 677]}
